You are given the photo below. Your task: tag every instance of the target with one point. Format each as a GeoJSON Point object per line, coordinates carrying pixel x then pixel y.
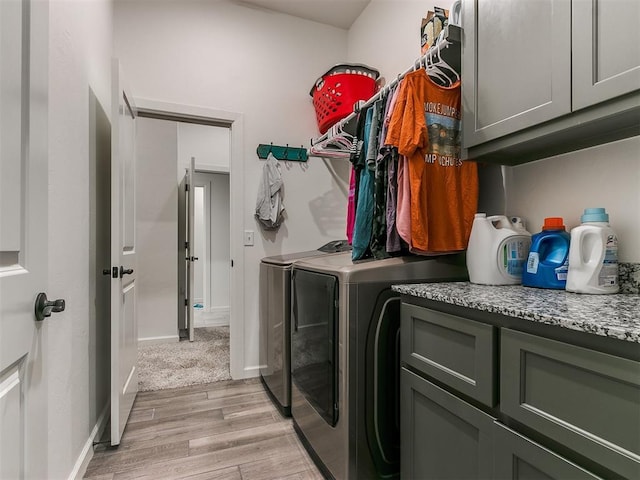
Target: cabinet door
{"type": "Point", "coordinates": [606, 50]}
{"type": "Point", "coordinates": [519, 458]}
{"type": "Point", "coordinates": [516, 66]}
{"type": "Point", "coordinates": [584, 399]}
{"type": "Point", "coordinates": [441, 436]}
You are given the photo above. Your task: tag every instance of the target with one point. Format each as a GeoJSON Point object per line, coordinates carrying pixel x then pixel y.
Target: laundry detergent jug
{"type": "Point", "coordinates": [548, 259]}
{"type": "Point", "coordinates": [593, 255]}
{"type": "Point", "coordinates": [497, 250]}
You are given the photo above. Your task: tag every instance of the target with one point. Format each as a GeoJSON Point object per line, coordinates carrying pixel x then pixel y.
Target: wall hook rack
{"type": "Point", "coordinates": [293, 154]}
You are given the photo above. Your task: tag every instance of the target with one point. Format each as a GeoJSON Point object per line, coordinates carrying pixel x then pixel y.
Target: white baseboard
{"type": "Point", "coordinates": [80, 468]}
{"type": "Point", "coordinates": [158, 340]}
{"type": "Point", "coordinates": [248, 372]}
{"type": "Point", "coordinates": [212, 317]}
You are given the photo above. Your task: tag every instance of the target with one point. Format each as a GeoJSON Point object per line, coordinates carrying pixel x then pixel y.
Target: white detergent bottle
{"type": "Point", "coordinates": [593, 255]}
{"type": "Point", "coordinates": [497, 250]}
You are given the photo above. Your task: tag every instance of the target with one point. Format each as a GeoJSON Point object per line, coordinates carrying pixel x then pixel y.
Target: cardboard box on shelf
{"type": "Point", "coordinates": [431, 26]}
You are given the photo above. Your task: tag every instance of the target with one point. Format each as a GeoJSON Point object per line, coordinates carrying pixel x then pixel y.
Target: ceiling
{"type": "Point", "coordinates": [338, 13]}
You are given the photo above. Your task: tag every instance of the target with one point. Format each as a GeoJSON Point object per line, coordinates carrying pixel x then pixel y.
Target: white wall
{"type": "Point", "coordinates": [157, 229]}
{"type": "Point", "coordinates": [563, 186]}
{"type": "Point", "coordinates": [208, 144]}
{"type": "Point", "coordinates": [79, 75]}
{"type": "Point", "coordinates": [386, 35]}
{"type": "Point", "coordinates": [225, 56]}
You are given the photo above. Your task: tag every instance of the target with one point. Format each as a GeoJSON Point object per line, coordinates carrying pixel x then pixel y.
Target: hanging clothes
{"type": "Point", "coordinates": [364, 205]}
{"type": "Point", "coordinates": [354, 178]}
{"type": "Point", "coordinates": [403, 202]}
{"type": "Point", "coordinates": [269, 206]}
{"type": "Point", "coordinates": [379, 226]}
{"type": "Point", "coordinates": [381, 155]}
{"type": "Point", "coordinates": [425, 126]}
{"type": "Point", "coordinates": [351, 205]}
{"type": "Point", "coordinates": [393, 243]}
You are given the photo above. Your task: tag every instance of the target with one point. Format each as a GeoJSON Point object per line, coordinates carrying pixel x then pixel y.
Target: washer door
{"type": "Point", "coordinates": [314, 341]}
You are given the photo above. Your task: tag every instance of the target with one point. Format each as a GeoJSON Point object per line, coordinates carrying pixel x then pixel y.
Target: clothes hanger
{"type": "Point", "coordinates": [438, 65]}
{"type": "Point", "coordinates": [436, 74]}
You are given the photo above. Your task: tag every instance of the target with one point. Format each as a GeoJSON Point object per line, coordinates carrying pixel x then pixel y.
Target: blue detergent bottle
{"type": "Point", "coordinates": [548, 260]}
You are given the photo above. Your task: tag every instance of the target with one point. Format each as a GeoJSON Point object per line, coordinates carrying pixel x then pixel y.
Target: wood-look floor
{"type": "Point", "coordinates": [227, 430]}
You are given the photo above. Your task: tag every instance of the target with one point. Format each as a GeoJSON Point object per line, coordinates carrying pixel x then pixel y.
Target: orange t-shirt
{"type": "Point", "coordinates": [425, 127]}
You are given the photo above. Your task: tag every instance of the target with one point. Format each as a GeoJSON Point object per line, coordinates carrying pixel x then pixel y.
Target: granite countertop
{"type": "Point", "coordinates": [616, 316]}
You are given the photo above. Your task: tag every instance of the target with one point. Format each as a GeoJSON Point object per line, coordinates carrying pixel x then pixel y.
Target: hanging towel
{"type": "Point", "coordinates": [269, 207]}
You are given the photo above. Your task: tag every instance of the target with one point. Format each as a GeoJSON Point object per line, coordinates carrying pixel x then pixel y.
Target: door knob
{"type": "Point", "coordinates": [44, 308]}
{"type": "Point", "coordinates": [125, 271]}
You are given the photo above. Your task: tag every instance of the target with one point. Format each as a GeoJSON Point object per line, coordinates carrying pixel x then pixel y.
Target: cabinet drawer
{"type": "Point", "coordinates": [454, 350]}
{"type": "Point", "coordinates": [517, 457]}
{"type": "Point", "coordinates": [586, 400]}
{"type": "Point", "coordinates": [437, 429]}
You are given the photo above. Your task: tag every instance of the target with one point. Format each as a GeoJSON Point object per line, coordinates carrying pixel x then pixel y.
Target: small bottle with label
{"type": "Point", "coordinates": [548, 259]}
{"type": "Point", "coordinates": [593, 255]}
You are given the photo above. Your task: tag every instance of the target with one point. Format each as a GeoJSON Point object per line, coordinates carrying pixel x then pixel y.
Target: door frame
{"type": "Point", "coordinates": [235, 122]}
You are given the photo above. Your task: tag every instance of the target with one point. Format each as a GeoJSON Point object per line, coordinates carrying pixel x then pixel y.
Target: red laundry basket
{"type": "Point", "coordinates": [335, 93]}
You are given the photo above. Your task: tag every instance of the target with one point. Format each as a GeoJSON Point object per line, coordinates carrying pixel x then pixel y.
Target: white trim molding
{"type": "Point", "coordinates": [80, 467]}
{"type": "Point", "coordinates": [158, 340]}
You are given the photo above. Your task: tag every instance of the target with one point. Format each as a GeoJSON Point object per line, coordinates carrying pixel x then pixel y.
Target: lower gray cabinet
{"type": "Point", "coordinates": [579, 397]}
{"type": "Point", "coordinates": [442, 436]}
{"type": "Point", "coordinates": [518, 458]}
{"type": "Point", "coordinates": [583, 399]}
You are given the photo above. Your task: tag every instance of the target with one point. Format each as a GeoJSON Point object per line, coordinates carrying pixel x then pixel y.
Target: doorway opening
{"type": "Point", "coordinates": [211, 247]}
{"type": "Point", "coordinates": [233, 174]}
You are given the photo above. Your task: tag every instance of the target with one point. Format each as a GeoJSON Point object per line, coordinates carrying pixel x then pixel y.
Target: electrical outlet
{"type": "Point", "coordinates": [248, 238]}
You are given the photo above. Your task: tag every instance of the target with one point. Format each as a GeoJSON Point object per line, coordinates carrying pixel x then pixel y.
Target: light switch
{"type": "Point", "coordinates": [248, 238]}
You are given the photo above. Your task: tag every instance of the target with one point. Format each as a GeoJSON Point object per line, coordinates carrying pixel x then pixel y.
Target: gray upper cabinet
{"type": "Point", "coordinates": [605, 50]}
{"type": "Point", "coordinates": [546, 77]}
{"type": "Point", "coordinates": [516, 65]}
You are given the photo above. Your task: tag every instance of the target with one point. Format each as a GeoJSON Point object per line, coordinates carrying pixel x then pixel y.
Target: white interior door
{"type": "Point", "coordinates": [23, 238]}
{"type": "Point", "coordinates": [124, 325]}
{"type": "Point", "coordinates": [191, 318]}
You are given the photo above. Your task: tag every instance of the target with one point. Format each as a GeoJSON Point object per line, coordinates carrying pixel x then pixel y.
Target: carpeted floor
{"type": "Point", "coordinates": [172, 365]}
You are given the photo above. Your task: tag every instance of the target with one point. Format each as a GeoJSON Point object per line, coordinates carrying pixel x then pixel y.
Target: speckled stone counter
{"type": "Point", "coordinates": [616, 316]}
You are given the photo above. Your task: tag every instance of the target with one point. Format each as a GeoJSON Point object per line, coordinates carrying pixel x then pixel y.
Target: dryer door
{"type": "Point", "coordinates": [382, 400]}
{"type": "Point", "coordinates": [314, 341]}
